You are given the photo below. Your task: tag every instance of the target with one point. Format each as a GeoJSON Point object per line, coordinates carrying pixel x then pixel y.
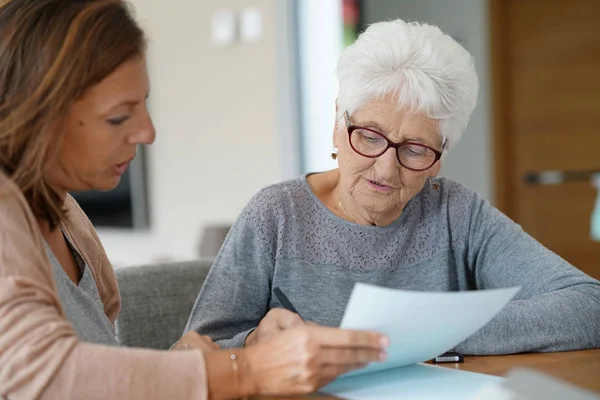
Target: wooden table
{"type": "Point", "coordinates": [581, 368]}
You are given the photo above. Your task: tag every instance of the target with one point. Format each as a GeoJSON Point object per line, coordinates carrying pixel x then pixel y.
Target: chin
{"type": "Point", "coordinates": [380, 203]}
{"type": "Point", "coordinates": [380, 210]}
{"type": "Point", "coordinates": [107, 185]}
{"type": "Point", "coordinates": [374, 205]}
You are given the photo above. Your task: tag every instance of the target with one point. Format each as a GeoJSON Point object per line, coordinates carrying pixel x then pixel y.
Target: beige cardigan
{"type": "Point", "coordinates": [40, 355]}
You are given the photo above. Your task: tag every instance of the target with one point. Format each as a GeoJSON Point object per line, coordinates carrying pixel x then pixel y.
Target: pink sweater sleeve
{"type": "Point", "coordinates": [40, 355]}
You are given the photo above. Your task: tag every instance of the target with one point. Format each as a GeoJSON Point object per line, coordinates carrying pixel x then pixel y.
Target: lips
{"type": "Point", "coordinates": [122, 167]}
{"type": "Point", "coordinates": [381, 185]}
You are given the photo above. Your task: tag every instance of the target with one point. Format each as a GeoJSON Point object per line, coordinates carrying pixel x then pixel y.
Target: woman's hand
{"type": "Point", "coordinates": [276, 320]}
{"type": "Point", "coordinates": [193, 340]}
{"type": "Point", "coordinates": [302, 359]}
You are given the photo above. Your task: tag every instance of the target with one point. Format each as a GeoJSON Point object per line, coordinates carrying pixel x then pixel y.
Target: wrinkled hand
{"type": "Point", "coordinates": [276, 320]}
{"type": "Point", "coordinates": [302, 359]}
{"type": "Point", "coordinates": [193, 340]}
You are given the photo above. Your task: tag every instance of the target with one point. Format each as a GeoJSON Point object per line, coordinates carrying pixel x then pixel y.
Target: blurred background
{"type": "Point", "coordinates": [243, 91]}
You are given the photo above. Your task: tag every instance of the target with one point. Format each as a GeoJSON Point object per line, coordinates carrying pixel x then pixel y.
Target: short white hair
{"type": "Point", "coordinates": [427, 70]}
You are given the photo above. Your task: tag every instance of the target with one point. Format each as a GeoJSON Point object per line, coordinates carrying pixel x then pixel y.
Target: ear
{"type": "Point", "coordinates": [435, 170]}
{"type": "Point", "coordinates": [334, 137]}
{"type": "Point", "coordinates": [335, 124]}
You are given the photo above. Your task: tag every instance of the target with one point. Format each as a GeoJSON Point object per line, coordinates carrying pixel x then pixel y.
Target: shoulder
{"type": "Point", "coordinates": [452, 203]}
{"type": "Point", "coordinates": [14, 210]}
{"type": "Point", "coordinates": [279, 194]}
{"type": "Point", "coordinates": [465, 208]}
{"type": "Point", "coordinates": [22, 250]}
{"type": "Point", "coordinates": [269, 214]}
{"type": "Point", "coordinates": [450, 196]}
{"type": "Point", "coordinates": [275, 201]}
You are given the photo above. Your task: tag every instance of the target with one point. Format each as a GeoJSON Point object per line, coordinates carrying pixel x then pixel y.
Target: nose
{"type": "Point", "coordinates": [145, 132]}
{"type": "Point", "coordinates": [387, 165]}
{"type": "Point", "coordinates": [388, 161]}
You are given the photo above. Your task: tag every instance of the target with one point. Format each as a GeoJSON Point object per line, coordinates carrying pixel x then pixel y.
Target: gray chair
{"type": "Point", "coordinates": [212, 239]}
{"type": "Point", "coordinates": [156, 301]}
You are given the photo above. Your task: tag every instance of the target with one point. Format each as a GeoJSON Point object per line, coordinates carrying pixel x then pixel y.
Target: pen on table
{"type": "Point", "coordinates": [285, 302]}
{"type": "Point", "coordinates": [449, 357]}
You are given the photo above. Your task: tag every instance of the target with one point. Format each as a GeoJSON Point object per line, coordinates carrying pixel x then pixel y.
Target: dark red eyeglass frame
{"type": "Point", "coordinates": [351, 128]}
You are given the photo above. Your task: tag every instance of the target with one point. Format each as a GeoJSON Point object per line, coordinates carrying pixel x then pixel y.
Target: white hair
{"type": "Point", "coordinates": [427, 70]}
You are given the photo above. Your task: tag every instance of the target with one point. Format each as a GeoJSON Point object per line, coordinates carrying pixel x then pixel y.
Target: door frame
{"type": "Point", "coordinates": [503, 153]}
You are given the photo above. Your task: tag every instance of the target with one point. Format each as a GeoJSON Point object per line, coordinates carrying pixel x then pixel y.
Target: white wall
{"type": "Point", "coordinates": [470, 162]}
{"type": "Point", "coordinates": [216, 113]}
{"type": "Point", "coordinates": [320, 44]}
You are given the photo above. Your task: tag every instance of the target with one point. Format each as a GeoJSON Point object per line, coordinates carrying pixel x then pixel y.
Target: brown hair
{"type": "Point", "coordinates": [51, 52]}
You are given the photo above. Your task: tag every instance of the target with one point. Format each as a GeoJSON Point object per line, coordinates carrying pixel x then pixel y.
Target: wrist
{"type": "Point", "coordinates": [247, 380]}
{"type": "Point", "coordinates": [229, 374]}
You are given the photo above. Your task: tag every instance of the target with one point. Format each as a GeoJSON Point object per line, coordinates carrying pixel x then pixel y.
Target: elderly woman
{"type": "Point", "coordinates": [406, 92]}
{"type": "Point", "coordinates": [73, 89]}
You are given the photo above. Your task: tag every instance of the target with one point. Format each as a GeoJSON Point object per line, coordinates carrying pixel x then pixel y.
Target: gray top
{"type": "Point", "coordinates": [446, 240]}
{"type": "Point", "coordinates": [82, 303]}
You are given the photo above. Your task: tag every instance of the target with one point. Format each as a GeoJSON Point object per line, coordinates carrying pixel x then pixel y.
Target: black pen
{"type": "Point", "coordinates": [285, 302]}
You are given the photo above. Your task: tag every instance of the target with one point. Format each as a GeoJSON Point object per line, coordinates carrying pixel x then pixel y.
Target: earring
{"type": "Point", "coordinates": [435, 185]}
{"type": "Point", "coordinates": [334, 153]}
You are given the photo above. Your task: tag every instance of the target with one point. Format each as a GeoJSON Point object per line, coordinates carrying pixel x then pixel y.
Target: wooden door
{"type": "Point", "coordinates": [546, 96]}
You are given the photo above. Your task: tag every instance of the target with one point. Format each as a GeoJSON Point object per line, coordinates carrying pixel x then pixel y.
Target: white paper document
{"type": "Point", "coordinates": [421, 325]}
{"type": "Point", "coordinates": [419, 381]}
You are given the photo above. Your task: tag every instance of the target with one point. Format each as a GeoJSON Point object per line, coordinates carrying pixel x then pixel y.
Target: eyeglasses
{"type": "Point", "coordinates": [372, 144]}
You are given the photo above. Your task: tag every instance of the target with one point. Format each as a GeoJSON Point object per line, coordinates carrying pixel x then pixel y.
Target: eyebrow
{"type": "Point", "coordinates": [129, 103]}
{"type": "Point", "coordinates": [376, 127]}
{"type": "Point", "coordinates": [371, 124]}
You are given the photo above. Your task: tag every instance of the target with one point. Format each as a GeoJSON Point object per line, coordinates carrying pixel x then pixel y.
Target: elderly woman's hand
{"type": "Point", "coordinates": [302, 359]}
{"type": "Point", "coordinates": [276, 320]}
{"type": "Point", "coordinates": [193, 340]}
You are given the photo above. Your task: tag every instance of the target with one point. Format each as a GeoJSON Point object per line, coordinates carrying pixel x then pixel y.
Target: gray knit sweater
{"type": "Point", "coordinates": [446, 240]}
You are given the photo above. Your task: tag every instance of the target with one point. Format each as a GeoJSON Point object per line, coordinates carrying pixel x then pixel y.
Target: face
{"type": "Point", "coordinates": [103, 129]}
{"type": "Point", "coordinates": [379, 188]}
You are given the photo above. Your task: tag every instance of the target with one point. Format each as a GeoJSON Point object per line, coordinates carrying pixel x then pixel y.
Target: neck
{"type": "Point", "coordinates": [44, 224]}
{"type": "Point", "coordinates": [353, 213]}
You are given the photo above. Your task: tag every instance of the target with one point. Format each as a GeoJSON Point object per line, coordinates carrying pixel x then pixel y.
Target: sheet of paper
{"type": "Point", "coordinates": [421, 325]}
{"type": "Point", "coordinates": [419, 381]}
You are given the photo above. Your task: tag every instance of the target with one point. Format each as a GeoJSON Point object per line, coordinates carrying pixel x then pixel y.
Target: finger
{"type": "Point", "coordinates": [351, 356]}
{"type": "Point", "coordinates": [331, 372]}
{"type": "Point", "coordinates": [335, 337]}
{"type": "Point", "coordinates": [185, 341]}
{"type": "Point", "coordinates": [179, 345]}
{"type": "Point", "coordinates": [193, 340]}
{"type": "Point", "coordinates": [208, 341]}
{"type": "Point", "coordinates": [286, 319]}
{"type": "Point", "coordinates": [342, 369]}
